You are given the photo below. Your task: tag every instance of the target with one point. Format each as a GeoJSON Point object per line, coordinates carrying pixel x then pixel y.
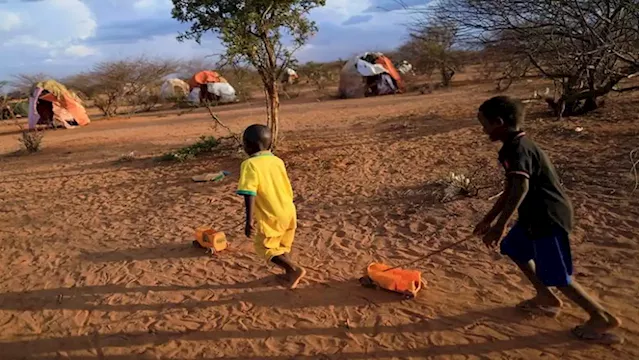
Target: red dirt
{"type": "Point", "coordinates": [98, 261]}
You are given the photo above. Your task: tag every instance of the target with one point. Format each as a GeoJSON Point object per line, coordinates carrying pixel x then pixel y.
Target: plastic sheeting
{"type": "Point", "coordinates": [224, 91]}
{"type": "Point", "coordinates": [194, 96]}
{"type": "Point", "coordinates": [174, 88]}
{"type": "Point", "coordinates": [356, 70]}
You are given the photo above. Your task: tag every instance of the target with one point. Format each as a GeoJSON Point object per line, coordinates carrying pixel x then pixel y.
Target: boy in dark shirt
{"type": "Point", "coordinates": [539, 242]}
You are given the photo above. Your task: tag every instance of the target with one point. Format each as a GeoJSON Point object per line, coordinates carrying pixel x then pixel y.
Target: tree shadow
{"type": "Point", "coordinates": [165, 251]}
{"type": "Point", "coordinates": [464, 321]}
{"type": "Point", "coordinates": [332, 293]}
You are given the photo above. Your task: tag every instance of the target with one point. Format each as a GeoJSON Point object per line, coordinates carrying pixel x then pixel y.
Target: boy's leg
{"type": "Point", "coordinates": [600, 320]}
{"type": "Point", "coordinates": [275, 250]}
{"type": "Point", "coordinates": [519, 247]}
{"type": "Point", "coordinates": [286, 241]}
{"type": "Point", "coordinates": [544, 296]}
{"type": "Point", "coordinates": [553, 256]}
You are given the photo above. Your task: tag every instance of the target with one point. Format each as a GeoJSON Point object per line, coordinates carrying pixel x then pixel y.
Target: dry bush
{"type": "Point", "coordinates": [6, 111]}
{"type": "Point", "coordinates": [31, 140]}
{"type": "Point", "coordinates": [186, 69]}
{"type": "Point", "coordinates": [24, 83]}
{"type": "Point", "coordinates": [498, 63]}
{"type": "Point", "coordinates": [321, 75]}
{"type": "Point", "coordinates": [431, 48]}
{"type": "Point", "coordinates": [135, 82]}
{"type": "Point", "coordinates": [244, 80]}
{"type": "Point", "coordinates": [586, 47]}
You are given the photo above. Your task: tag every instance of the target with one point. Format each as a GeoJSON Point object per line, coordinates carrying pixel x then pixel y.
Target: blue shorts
{"type": "Point", "coordinates": [551, 254]}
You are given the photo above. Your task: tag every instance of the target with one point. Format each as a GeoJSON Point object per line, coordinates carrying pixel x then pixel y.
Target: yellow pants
{"type": "Point", "coordinates": [267, 248]}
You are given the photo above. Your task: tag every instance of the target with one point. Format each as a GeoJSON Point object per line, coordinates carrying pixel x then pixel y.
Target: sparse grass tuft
{"type": "Point", "coordinates": [458, 185]}
{"type": "Point", "coordinates": [127, 157]}
{"type": "Point", "coordinates": [204, 145]}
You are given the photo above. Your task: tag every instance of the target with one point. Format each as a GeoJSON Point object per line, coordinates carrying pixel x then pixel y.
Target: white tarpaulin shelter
{"type": "Point", "coordinates": [224, 91]}
{"type": "Point", "coordinates": [357, 70]}
{"type": "Point", "coordinates": [174, 88]}
{"type": "Point", "coordinates": [405, 68]}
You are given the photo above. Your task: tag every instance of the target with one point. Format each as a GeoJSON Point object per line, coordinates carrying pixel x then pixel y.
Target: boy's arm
{"type": "Point", "coordinates": [485, 224]}
{"type": "Point", "coordinates": [516, 190]}
{"type": "Point", "coordinates": [249, 202]}
{"type": "Point", "coordinates": [248, 189]}
{"type": "Point", "coordinates": [498, 206]}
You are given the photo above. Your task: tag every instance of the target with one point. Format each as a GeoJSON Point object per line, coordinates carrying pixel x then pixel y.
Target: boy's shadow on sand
{"type": "Point", "coordinates": [541, 340]}
{"type": "Point", "coordinates": [267, 294]}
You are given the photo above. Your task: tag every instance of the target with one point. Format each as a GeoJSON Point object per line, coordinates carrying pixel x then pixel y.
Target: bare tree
{"type": "Point", "coordinates": [6, 112]}
{"type": "Point", "coordinates": [24, 83]}
{"type": "Point", "coordinates": [437, 41]}
{"type": "Point", "coordinates": [504, 65]}
{"type": "Point", "coordinates": [253, 32]}
{"type": "Point", "coordinates": [585, 46]}
{"type": "Point", "coordinates": [188, 68]}
{"type": "Point", "coordinates": [134, 82]}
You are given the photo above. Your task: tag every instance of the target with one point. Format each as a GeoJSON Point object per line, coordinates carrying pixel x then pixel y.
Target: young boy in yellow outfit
{"type": "Point", "coordinates": [268, 200]}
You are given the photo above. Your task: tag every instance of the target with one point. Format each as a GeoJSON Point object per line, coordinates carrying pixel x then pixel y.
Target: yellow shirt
{"type": "Point", "coordinates": [264, 176]}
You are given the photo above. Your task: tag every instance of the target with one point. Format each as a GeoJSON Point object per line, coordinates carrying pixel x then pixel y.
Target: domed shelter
{"type": "Point", "coordinates": [289, 76]}
{"type": "Point", "coordinates": [173, 88]}
{"type": "Point", "coordinates": [211, 87]}
{"type": "Point", "coordinates": [370, 74]}
{"type": "Point", "coordinates": [51, 103]}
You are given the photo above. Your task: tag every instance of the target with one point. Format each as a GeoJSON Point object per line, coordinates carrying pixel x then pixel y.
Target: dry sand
{"type": "Point", "coordinates": [97, 261]}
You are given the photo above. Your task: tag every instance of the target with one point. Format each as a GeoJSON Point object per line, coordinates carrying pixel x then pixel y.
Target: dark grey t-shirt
{"type": "Point", "coordinates": [546, 205]}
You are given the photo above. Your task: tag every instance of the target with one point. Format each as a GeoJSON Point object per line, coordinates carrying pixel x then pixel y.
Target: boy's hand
{"type": "Point", "coordinates": [493, 236]}
{"type": "Point", "coordinates": [249, 230]}
{"type": "Point", "coordinates": [482, 227]}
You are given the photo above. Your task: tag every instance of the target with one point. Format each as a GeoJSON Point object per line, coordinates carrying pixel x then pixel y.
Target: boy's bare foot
{"type": "Point", "coordinates": [296, 276]}
{"type": "Point", "coordinates": [541, 305]}
{"type": "Point", "coordinates": [597, 329]}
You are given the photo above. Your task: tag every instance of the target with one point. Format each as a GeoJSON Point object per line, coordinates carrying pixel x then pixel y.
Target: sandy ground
{"type": "Point", "coordinates": [98, 264]}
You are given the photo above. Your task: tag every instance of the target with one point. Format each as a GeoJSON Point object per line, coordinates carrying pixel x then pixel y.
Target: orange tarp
{"type": "Point", "coordinates": [398, 280]}
{"type": "Point", "coordinates": [66, 105]}
{"type": "Point", "coordinates": [204, 77]}
{"type": "Point", "coordinates": [388, 65]}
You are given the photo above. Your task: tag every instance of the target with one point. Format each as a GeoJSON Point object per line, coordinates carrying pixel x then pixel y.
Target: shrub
{"type": "Point", "coordinates": [31, 140]}
{"type": "Point", "coordinates": [204, 145]}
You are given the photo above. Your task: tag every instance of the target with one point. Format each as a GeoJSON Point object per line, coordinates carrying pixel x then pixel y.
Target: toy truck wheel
{"type": "Point", "coordinates": [196, 244]}
{"type": "Point", "coordinates": [367, 282]}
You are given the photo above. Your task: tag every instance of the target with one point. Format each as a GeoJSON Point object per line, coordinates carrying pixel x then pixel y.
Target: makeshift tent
{"type": "Point", "coordinates": [174, 88]}
{"type": "Point", "coordinates": [405, 68]}
{"type": "Point", "coordinates": [369, 74]}
{"type": "Point", "coordinates": [212, 87]}
{"type": "Point", "coordinates": [53, 104]}
{"type": "Point", "coordinates": [289, 76]}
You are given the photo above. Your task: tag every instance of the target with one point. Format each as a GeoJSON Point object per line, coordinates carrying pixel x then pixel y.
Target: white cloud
{"type": "Point", "coordinates": [9, 20]}
{"type": "Point", "coordinates": [80, 51]}
{"type": "Point", "coordinates": [27, 40]}
{"type": "Point", "coordinates": [337, 11]}
{"type": "Point", "coordinates": [146, 5]}
{"type": "Point", "coordinates": [55, 24]}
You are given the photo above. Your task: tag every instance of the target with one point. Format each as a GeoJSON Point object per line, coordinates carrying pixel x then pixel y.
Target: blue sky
{"type": "Point", "coordinates": [61, 37]}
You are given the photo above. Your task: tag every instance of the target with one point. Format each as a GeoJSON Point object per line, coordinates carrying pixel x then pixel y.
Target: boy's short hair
{"type": "Point", "coordinates": [508, 109]}
{"type": "Point", "coordinates": [257, 136]}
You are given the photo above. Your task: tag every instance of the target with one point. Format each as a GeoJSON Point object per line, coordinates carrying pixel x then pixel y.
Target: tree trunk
{"type": "Point", "coordinates": [274, 109]}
